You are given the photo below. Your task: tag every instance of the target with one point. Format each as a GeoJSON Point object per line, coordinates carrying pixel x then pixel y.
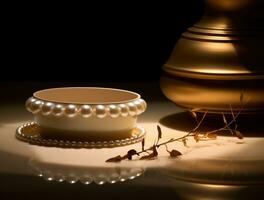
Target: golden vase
{"type": "Point", "coordinates": [218, 59]}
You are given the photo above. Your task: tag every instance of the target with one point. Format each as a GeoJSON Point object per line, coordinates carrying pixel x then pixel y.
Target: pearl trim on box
{"type": "Point", "coordinates": [131, 108]}
{"type": "Point", "coordinates": [35, 138]}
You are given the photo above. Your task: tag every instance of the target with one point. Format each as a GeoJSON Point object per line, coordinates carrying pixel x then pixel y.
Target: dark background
{"type": "Point", "coordinates": [98, 42]}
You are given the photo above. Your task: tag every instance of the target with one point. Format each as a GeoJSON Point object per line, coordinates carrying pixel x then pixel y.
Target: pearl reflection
{"type": "Point", "coordinates": [74, 174]}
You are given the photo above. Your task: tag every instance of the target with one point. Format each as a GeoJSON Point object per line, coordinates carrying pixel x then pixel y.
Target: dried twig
{"type": "Point", "coordinates": [152, 152]}
{"type": "Point", "coordinates": [156, 145]}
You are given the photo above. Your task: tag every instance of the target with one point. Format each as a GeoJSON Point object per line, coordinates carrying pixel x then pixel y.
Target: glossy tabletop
{"type": "Point", "coordinates": [226, 167]}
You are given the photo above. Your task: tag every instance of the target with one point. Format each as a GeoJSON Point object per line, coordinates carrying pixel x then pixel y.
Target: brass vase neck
{"type": "Point", "coordinates": [233, 14]}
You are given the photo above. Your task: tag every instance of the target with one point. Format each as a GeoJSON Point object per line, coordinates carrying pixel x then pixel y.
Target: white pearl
{"type": "Point", "coordinates": [29, 103]}
{"type": "Point", "coordinates": [143, 103]}
{"type": "Point", "coordinates": [35, 106]}
{"type": "Point", "coordinates": [132, 109]}
{"type": "Point", "coordinates": [114, 111]}
{"type": "Point", "coordinates": [140, 107]}
{"type": "Point", "coordinates": [58, 110]}
{"type": "Point", "coordinates": [100, 111]}
{"type": "Point", "coordinates": [86, 111]}
{"type": "Point", "coordinates": [47, 108]}
{"type": "Point", "coordinates": [71, 110]}
{"type": "Point", "coordinates": [123, 110]}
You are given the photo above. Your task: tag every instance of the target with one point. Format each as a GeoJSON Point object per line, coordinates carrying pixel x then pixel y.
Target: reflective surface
{"type": "Point", "coordinates": [85, 175]}
{"type": "Point", "coordinates": [198, 191]}
{"type": "Point", "coordinates": [204, 171]}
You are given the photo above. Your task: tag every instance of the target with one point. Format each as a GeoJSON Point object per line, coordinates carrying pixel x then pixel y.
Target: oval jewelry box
{"type": "Point", "coordinates": [86, 113]}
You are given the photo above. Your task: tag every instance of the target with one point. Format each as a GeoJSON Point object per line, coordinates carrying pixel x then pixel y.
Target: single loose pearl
{"type": "Point", "coordinates": [114, 111]}
{"type": "Point", "coordinates": [86, 111]}
{"type": "Point", "coordinates": [100, 111]}
{"type": "Point", "coordinates": [71, 110]}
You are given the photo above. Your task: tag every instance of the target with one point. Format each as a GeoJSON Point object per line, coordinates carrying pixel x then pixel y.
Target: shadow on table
{"type": "Point", "coordinates": [248, 125]}
{"type": "Point", "coordinates": [14, 113]}
{"type": "Point", "coordinates": [11, 163]}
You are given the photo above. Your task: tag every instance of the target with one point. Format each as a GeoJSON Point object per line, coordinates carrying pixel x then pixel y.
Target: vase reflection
{"type": "Point", "coordinates": [215, 191]}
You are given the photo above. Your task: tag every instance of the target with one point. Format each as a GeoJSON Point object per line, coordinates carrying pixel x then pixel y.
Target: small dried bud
{"type": "Point", "coordinates": [174, 153]}
{"type": "Point", "coordinates": [159, 132]}
{"type": "Point", "coordinates": [130, 153]}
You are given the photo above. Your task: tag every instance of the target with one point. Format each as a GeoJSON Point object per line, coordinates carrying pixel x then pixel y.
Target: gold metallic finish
{"type": "Point", "coordinates": [219, 58]}
{"type": "Point", "coordinates": [213, 95]}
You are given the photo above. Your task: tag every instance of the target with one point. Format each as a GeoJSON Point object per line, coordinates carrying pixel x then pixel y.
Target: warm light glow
{"type": "Point", "coordinates": [229, 5]}
{"type": "Point", "coordinates": [217, 47]}
{"type": "Point", "coordinates": [216, 70]}
{"type": "Point", "coordinates": [217, 187]}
